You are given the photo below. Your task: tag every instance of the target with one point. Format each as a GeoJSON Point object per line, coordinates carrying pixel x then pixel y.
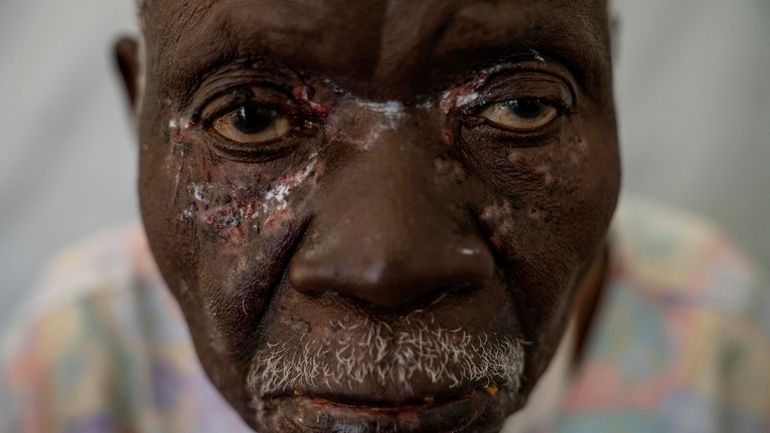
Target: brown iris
{"type": "Point", "coordinates": [252, 124]}
{"type": "Point", "coordinates": [521, 115]}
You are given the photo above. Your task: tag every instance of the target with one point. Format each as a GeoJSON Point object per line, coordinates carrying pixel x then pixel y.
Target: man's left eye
{"type": "Point", "coordinates": [252, 124]}
{"type": "Point", "coordinates": [521, 115]}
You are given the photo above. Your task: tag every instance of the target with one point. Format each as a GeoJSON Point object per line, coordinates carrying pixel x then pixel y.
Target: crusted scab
{"type": "Point", "coordinates": [199, 193]}
{"type": "Point", "coordinates": [224, 218]}
{"type": "Point", "coordinates": [462, 95]}
{"type": "Point", "coordinates": [187, 213]}
{"type": "Point", "coordinates": [223, 210]}
{"type": "Point", "coordinates": [276, 197]}
{"type": "Point", "coordinates": [375, 118]}
{"type": "Point", "coordinates": [304, 96]}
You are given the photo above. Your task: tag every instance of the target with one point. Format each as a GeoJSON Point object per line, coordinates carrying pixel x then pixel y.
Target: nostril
{"type": "Point", "coordinates": [390, 306]}
{"type": "Point", "coordinates": [389, 285]}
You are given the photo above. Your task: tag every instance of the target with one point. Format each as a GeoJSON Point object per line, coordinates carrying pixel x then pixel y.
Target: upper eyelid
{"type": "Point", "coordinates": [531, 80]}
{"type": "Point", "coordinates": [240, 75]}
{"type": "Point", "coordinates": [203, 114]}
{"type": "Point", "coordinates": [557, 105]}
{"type": "Point", "coordinates": [500, 74]}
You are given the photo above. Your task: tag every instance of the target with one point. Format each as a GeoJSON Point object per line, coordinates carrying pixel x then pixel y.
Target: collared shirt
{"type": "Point", "coordinates": [680, 344]}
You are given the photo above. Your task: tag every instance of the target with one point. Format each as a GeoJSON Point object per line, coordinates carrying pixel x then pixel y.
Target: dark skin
{"type": "Point", "coordinates": [307, 163]}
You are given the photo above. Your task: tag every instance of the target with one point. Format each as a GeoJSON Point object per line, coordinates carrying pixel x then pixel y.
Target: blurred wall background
{"type": "Point", "coordinates": [693, 92]}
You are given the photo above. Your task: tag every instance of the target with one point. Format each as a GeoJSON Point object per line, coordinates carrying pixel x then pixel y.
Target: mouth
{"type": "Point", "coordinates": [301, 413]}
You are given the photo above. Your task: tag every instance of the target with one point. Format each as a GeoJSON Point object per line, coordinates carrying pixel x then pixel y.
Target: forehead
{"type": "Point", "coordinates": [393, 44]}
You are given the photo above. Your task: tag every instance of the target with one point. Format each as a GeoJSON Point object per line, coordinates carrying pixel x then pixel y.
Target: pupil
{"type": "Point", "coordinates": [252, 119]}
{"type": "Point", "coordinates": [526, 108]}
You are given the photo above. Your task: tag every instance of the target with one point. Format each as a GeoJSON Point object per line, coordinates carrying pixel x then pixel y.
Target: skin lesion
{"type": "Point", "coordinates": [225, 212]}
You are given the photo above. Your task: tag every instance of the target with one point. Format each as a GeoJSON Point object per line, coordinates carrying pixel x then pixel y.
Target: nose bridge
{"type": "Point", "coordinates": [390, 175]}
{"type": "Point", "coordinates": [385, 185]}
{"type": "Point", "coordinates": [384, 232]}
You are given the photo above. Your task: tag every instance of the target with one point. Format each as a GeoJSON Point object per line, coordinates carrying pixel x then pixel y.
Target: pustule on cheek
{"type": "Point", "coordinates": [538, 185]}
{"type": "Point", "coordinates": [500, 221]}
{"type": "Point", "coordinates": [553, 166]}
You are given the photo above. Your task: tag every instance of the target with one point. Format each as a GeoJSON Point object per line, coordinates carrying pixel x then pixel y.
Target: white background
{"type": "Point", "coordinates": [693, 91]}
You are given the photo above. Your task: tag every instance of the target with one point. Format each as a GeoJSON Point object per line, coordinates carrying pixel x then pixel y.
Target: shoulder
{"type": "Point", "coordinates": [106, 281]}
{"type": "Point", "coordinates": [678, 259]}
{"type": "Point", "coordinates": [81, 350]}
{"type": "Point", "coordinates": [686, 323]}
{"type": "Point", "coordinates": [109, 262]}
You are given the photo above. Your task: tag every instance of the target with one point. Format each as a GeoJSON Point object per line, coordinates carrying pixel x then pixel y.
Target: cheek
{"type": "Point", "coordinates": [232, 213]}
{"type": "Point", "coordinates": [220, 229]}
{"type": "Point", "coordinates": [545, 212]}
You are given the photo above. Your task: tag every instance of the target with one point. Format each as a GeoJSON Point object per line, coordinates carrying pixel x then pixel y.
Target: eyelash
{"type": "Point", "coordinates": [281, 99]}
{"type": "Point", "coordinates": [268, 96]}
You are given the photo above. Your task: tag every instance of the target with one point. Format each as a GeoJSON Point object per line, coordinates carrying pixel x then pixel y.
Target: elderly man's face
{"type": "Point", "coordinates": [375, 214]}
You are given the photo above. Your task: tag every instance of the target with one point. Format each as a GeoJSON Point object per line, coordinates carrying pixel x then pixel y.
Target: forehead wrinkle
{"type": "Point", "coordinates": [188, 44]}
{"type": "Point", "coordinates": [329, 39]}
{"type": "Point", "coordinates": [427, 44]}
{"type": "Point", "coordinates": [409, 30]}
{"type": "Point", "coordinates": [573, 32]}
{"type": "Point", "coordinates": [412, 40]}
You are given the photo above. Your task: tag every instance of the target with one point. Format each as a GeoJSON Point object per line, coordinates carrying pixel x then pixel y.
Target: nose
{"type": "Point", "coordinates": [387, 234]}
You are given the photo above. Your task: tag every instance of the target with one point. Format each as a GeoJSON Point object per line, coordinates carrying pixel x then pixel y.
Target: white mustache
{"type": "Point", "coordinates": [372, 352]}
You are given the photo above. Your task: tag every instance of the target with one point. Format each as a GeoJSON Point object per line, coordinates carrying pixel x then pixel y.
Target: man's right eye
{"type": "Point", "coordinates": [252, 124]}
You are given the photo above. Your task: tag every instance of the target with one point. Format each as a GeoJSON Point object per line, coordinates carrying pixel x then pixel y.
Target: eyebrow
{"type": "Point", "coordinates": [469, 43]}
{"type": "Point", "coordinates": [220, 38]}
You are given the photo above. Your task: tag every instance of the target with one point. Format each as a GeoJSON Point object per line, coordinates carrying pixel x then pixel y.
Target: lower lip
{"type": "Point", "coordinates": [307, 414]}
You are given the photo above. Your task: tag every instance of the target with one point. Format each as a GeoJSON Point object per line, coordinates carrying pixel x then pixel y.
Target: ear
{"type": "Point", "coordinates": [126, 53]}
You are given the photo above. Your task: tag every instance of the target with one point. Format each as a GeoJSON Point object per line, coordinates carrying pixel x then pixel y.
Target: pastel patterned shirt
{"type": "Point", "coordinates": [680, 344]}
